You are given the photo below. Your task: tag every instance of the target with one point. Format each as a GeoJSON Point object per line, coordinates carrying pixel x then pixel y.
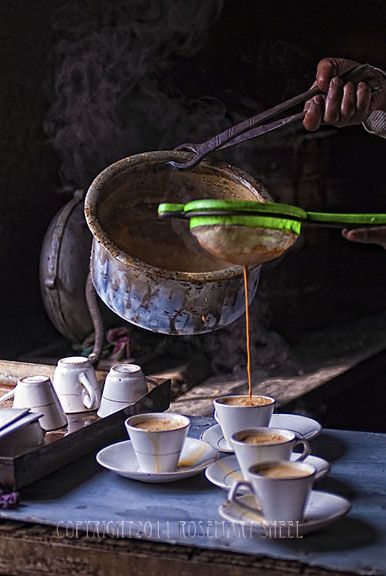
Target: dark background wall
{"type": "Point", "coordinates": [28, 169]}
{"type": "Point", "coordinates": [325, 281]}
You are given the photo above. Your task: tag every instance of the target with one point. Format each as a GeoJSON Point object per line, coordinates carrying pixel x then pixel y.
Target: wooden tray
{"type": "Point", "coordinates": [85, 432]}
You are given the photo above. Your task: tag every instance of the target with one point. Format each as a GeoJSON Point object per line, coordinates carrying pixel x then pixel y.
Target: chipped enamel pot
{"type": "Point", "coordinates": [153, 273]}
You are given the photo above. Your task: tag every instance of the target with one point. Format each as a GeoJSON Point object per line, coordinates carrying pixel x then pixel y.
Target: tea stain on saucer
{"type": "Point", "coordinates": [193, 458]}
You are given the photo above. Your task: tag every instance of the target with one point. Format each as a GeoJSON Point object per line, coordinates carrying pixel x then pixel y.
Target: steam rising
{"type": "Point", "coordinates": [116, 90]}
{"type": "Point", "coordinates": [110, 83]}
{"type": "Point", "coordinates": [114, 93]}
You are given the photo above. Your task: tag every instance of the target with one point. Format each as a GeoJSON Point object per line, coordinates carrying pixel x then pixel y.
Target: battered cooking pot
{"type": "Point", "coordinates": [152, 272]}
{"type": "Point", "coordinates": [63, 271]}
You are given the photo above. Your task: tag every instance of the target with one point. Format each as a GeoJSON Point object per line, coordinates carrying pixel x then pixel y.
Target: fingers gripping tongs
{"type": "Point", "coordinates": [254, 126]}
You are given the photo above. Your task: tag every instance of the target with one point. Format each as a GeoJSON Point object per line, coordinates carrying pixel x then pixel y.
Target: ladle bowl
{"type": "Point", "coordinates": [244, 245]}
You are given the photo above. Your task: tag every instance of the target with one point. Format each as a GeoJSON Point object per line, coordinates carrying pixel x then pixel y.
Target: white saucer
{"type": "Point", "coordinates": [306, 427]}
{"type": "Point", "coordinates": [322, 509]}
{"type": "Point", "coordinates": [225, 472]}
{"type": "Point", "coordinates": [120, 458]}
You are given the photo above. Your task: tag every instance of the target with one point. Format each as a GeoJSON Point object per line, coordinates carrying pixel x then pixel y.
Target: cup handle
{"type": "Point", "coordinates": [306, 449]}
{"type": "Point", "coordinates": [232, 495]}
{"type": "Point", "coordinates": [216, 417]}
{"type": "Point", "coordinates": [90, 401]}
{"type": "Point", "coordinates": [7, 396]}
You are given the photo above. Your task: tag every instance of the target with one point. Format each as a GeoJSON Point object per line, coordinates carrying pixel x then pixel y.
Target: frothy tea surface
{"type": "Point", "coordinates": [281, 471]}
{"type": "Point", "coordinates": [130, 219]}
{"type": "Point", "coordinates": [159, 424]}
{"type": "Point", "coordinates": [258, 439]}
{"type": "Point", "coordinates": [246, 401]}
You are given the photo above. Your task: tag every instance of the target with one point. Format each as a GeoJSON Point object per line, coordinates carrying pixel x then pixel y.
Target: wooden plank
{"type": "Point", "coordinates": [27, 550]}
{"type": "Point", "coordinates": [353, 399]}
{"type": "Point", "coordinates": [318, 357]}
{"type": "Point", "coordinates": [199, 400]}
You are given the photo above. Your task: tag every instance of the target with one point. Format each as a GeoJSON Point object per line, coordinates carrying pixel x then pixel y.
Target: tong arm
{"type": "Point", "coordinates": [248, 128]}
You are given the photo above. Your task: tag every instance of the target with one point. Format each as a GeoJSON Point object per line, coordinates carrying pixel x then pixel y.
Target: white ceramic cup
{"type": "Point", "coordinates": [125, 384]}
{"type": "Point", "coordinates": [38, 394]}
{"type": "Point", "coordinates": [234, 418]}
{"type": "Point", "coordinates": [269, 448]}
{"type": "Point", "coordinates": [76, 385]}
{"type": "Point", "coordinates": [280, 499]}
{"type": "Point", "coordinates": [158, 451]}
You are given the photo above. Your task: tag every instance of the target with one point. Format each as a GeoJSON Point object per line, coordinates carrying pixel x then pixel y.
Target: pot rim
{"type": "Point", "coordinates": [153, 158]}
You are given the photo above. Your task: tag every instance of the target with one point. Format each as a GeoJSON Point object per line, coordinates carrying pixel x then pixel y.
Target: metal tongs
{"type": "Point", "coordinates": [253, 127]}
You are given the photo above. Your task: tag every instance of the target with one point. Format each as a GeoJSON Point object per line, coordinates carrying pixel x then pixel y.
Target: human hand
{"type": "Point", "coordinates": [373, 235]}
{"type": "Point", "coordinates": [343, 104]}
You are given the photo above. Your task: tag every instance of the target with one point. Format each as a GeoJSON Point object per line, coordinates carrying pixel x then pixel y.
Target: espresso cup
{"type": "Point", "coordinates": [157, 440]}
{"type": "Point", "coordinates": [281, 490]}
{"type": "Point", "coordinates": [266, 445]}
{"type": "Point", "coordinates": [76, 385]}
{"type": "Point", "coordinates": [38, 394]}
{"type": "Point", "coordinates": [234, 413]}
{"type": "Point", "coordinates": [125, 384]}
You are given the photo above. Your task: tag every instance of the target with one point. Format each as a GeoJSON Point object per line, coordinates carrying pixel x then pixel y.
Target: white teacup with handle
{"type": "Point", "coordinates": [76, 385]}
{"type": "Point", "coordinates": [281, 490]}
{"type": "Point", "coordinates": [262, 444]}
{"type": "Point", "coordinates": [238, 412]}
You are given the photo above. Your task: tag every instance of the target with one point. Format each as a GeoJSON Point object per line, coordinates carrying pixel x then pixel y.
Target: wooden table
{"type": "Point", "coordinates": [74, 499]}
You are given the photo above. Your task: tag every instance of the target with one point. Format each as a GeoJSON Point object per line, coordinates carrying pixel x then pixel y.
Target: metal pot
{"type": "Point", "coordinates": [153, 291]}
{"type": "Point", "coordinates": [63, 271]}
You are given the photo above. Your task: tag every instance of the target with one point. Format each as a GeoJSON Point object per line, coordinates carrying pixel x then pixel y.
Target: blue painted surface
{"type": "Point", "coordinates": [83, 496]}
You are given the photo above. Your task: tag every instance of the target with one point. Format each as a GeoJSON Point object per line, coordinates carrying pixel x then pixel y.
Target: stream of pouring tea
{"type": "Point", "coordinates": [247, 332]}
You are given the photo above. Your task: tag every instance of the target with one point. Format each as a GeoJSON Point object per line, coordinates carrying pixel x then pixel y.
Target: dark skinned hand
{"type": "Point", "coordinates": [376, 235]}
{"type": "Point", "coordinates": [346, 105]}
{"type": "Point", "coordinates": [343, 104]}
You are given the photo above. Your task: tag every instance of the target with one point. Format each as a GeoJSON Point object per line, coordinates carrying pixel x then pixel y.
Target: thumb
{"type": "Point", "coordinates": [375, 235]}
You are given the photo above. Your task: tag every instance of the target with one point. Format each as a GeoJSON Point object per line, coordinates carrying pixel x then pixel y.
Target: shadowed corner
{"type": "Point", "coordinates": [337, 486]}
{"type": "Point", "coordinates": [61, 482]}
{"type": "Point", "coordinates": [328, 447]}
{"type": "Point", "coordinates": [346, 534]}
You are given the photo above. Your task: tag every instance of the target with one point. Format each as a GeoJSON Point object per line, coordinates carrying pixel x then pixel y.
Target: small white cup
{"type": "Point", "coordinates": [125, 384]}
{"type": "Point", "coordinates": [157, 451]}
{"type": "Point", "coordinates": [76, 385]}
{"type": "Point", "coordinates": [280, 499]}
{"type": "Point", "coordinates": [234, 418]}
{"type": "Point", "coordinates": [38, 394]}
{"type": "Point", "coordinates": [267, 450]}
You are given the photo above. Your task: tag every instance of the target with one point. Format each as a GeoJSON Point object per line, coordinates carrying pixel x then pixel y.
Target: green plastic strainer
{"type": "Point", "coordinates": [250, 233]}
